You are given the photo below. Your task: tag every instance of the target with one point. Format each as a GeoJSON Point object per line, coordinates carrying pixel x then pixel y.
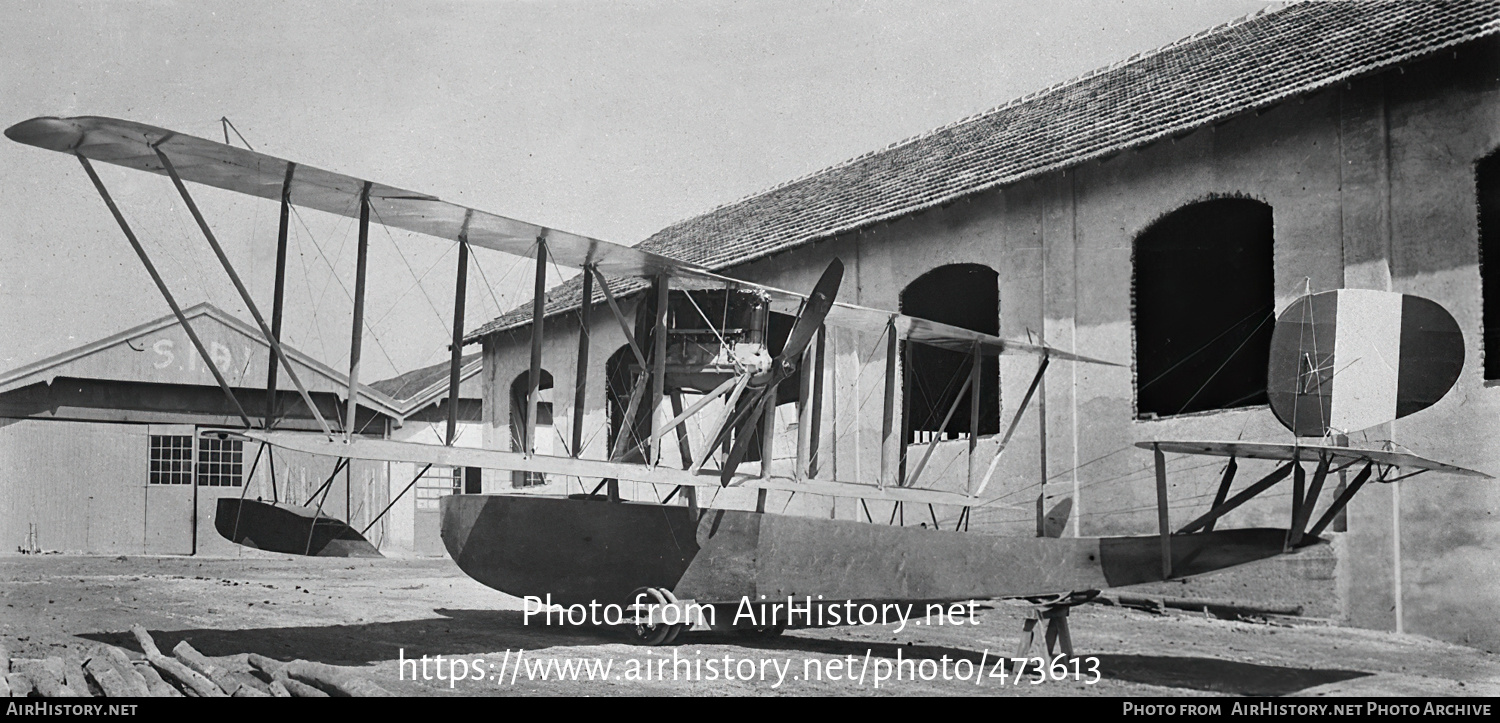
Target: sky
{"type": "Point", "coordinates": [611, 119]}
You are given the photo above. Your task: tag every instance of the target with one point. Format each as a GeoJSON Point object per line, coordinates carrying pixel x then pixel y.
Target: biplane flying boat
{"type": "Point", "coordinates": [1341, 361]}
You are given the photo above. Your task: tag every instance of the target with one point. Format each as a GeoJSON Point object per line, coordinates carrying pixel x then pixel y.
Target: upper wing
{"type": "Point", "coordinates": [1308, 452]}
{"type": "Point", "coordinates": [130, 144]}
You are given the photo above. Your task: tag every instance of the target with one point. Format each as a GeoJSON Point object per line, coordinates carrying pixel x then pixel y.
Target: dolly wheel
{"type": "Point", "coordinates": [647, 634]}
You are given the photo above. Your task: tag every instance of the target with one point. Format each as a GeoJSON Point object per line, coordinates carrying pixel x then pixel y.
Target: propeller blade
{"type": "Point", "coordinates": [743, 437]}
{"type": "Point", "coordinates": [819, 303]}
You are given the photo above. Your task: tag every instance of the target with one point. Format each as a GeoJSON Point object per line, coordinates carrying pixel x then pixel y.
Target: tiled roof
{"type": "Point", "coordinates": [1246, 64]}
{"type": "Point", "coordinates": [405, 386]}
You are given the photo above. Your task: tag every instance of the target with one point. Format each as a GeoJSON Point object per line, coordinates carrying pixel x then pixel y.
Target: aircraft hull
{"type": "Point", "coordinates": [290, 529]}
{"type": "Point", "coordinates": [585, 550]}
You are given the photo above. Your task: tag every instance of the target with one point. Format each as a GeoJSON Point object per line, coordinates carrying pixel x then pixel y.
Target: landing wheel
{"type": "Point", "coordinates": [659, 633]}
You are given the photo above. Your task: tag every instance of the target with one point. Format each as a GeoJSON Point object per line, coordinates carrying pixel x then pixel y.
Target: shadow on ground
{"type": "Point", "coordinates": [456, 632]}
{"type": "Point", "coordinates": [1219, 676]}
{"type": "Point", "coordinates": [463, 632]}
{"type": "Point", "coordinates": [1192, 673]}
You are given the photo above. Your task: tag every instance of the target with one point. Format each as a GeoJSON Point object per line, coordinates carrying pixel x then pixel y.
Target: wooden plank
{"type": "Point", "coordinates": [391, 451]}
{"type": "Point", "coordinates": [356, 342]}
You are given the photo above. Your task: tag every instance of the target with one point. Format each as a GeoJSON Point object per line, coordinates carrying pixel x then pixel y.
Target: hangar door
{"type": "Point", "coordinates": [171, 494]}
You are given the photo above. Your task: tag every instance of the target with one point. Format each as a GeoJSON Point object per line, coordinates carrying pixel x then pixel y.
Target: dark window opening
{"type": "Point", "coordinates": [1487, 183]}
{"type": "Point", "coordinates": [620, 372]}
{"type": "Point", "coordinates": [1204, 308]}
{"type": "Point", "coordinates": [546, 437]}
{"type": "Point", "coordinates": [966, 296]}
{"type": "Point", "coordinates": [221, 462]}
{"type": "Point", "coordinates": [171, 459]}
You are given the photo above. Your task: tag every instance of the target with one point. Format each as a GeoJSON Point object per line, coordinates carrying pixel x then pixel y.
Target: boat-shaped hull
{"type": "Point", "coordinates": [291, 529]}
{"type": "Point", "coordinates": [585, 550]}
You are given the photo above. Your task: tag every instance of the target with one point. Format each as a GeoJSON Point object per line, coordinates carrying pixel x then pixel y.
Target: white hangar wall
{"type": "Point", "coordinates": [1371, 185]}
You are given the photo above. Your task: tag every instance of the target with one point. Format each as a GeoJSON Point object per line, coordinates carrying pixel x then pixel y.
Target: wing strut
{"type": "Point", "coordinates": [1014, 421]}
{"type": "Point", "coordinates": [460, 292]}
{"type": "Point", "coordinates": [534, 375]}
{"type": "Point", "coordinates": [278, 299]}
{"type": "Point", "coordinates": [911, 479]}
{"type": "Point", "coordinates": [888, 410]}
{"type": "Point", "coordinates": [272, 336]}
{"type": "Point", "coordinates": [165, 292]}
{"type": "Point", "coordinates": [580, 387]}
{"type": "Point", "coordinates": [357, 336]}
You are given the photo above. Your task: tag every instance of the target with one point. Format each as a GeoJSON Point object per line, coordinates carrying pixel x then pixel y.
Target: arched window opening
{"type": "Point", "coordinates": [545, 435]}
{"type": "Point", "coordinates": [621, 375]}
{"type": "Point", "coordinates": [963, 295]}
{"type": "Point", "coordinates": [1487, 185]}
{"type": "Point", "coordinates": [1203, 297]}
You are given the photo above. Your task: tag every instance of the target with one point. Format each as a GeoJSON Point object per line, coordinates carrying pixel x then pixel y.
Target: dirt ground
{"type": "Point", "coordinates": [367, 614]}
